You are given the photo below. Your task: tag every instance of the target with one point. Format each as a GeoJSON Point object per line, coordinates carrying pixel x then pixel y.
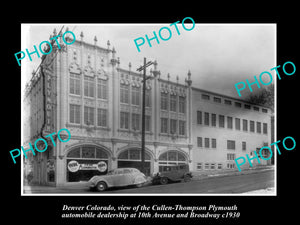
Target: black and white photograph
{"type": "Point", "coordinates": [165, 120]}
{"type": "Point", "coordinates": [182, 119]}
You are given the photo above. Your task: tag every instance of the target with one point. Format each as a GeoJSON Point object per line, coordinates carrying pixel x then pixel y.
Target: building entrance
{"type": "Point", "coordinates": [132, 158]}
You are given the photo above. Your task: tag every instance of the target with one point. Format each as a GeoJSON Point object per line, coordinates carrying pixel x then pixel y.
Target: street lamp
{"type": "Point", "coordinates": [146, 64]}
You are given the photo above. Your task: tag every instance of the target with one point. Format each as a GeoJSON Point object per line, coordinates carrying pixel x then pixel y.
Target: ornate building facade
{"type": "Point", "coordinates": [82, 87]}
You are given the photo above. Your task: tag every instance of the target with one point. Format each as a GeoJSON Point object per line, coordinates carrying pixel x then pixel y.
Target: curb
{"type": "Point", "coordinates": [231, 173]}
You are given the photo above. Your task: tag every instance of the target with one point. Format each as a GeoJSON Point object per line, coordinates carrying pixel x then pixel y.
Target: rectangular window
{"type": "Point", "coordinates": [181, 104]}
{"type": "Point", "coordinates": [102, 89]}
{"type": "Point", "coordinates": [173, 126]}
{"type": "Point", "coordinates": [229, 122]}
{"type": "Point", "coordinates": [181, 127]}
{"type": "Point", "coordinates": [244, 145]}
{"type": "Point", "coordinates": [227, 102]}
{"type": "Point", "coordinates": [206, 118]}
{"type": "Point", "coordinates": [135, 96]}
{"type": "Point", "coordinates": [124, 120]}
{"type": "Point", "coordinates": [265, 128]}
{"type": "Point", "coordinates": [245, 125]}
{"type": "Point", "coordinates": [214, 143]}
{"type": "Point", "coordinates": [199, 166]}
{"type": "Point", "coordinates": [75, 84]}
{"type": "Point", "coordinates": [199, 117]}
{"type": "Point", "coordinates": [164, 125]}
{"type": "Point", "coordinates": [89, 86]}
{"type": "Point", "coordinates": [75, 114]}
{"type": "Point", "coordinates": [230, 156]}
{"type": "Point", "coordinates": [206, 97]}
{"type": "Point", "coordinates": [212, 166]}
{"type": "Point", "coordinates": [221, 121]}
{"type": "Point", "coordinates": [219, 166]}
{"type": "Point", "coordinates": [89, 115]}
{"type": "Point", "coordinates": [247, 106]}
{"type": "Point", "coordinates": [255, 108]}
{"type": "Point", "coordinates": [199, 141]}
{"type": "Point", "coordinates": [237, 124]}
{"type": "Point", "coordinates": [258, 127]}
{"type": "Point", "coordinates": [206, 142]}
{"type": "Point", "coordinates": [147, 123]}
{"type": "Point", "coordinates": [213, 120]}
{"type": "Point", "coordinates": [238, 104]}
{"type": "Point", "coordinates": [124, 93]}
{"type": "Point", "coordinates": [217, 99]}
{"type": "Point", "coordinates": [206, 166]}
{"type": "Point", "coordinates": [231, 144]}
{"type": "Point", "coordinates": [135, 121]}
{"type": "Point", "coordinates": [173, 101]}
{"type": "Point", "coordinates": [251, 126]}
{"type": "Point", "coordinates": [102, 117]}
{"type": "Point", "coordinates": [264, 110]}
{"type": "Point", "coordinates": [164, 101]}
{"type": "Point", "coordinates": [230, 165]}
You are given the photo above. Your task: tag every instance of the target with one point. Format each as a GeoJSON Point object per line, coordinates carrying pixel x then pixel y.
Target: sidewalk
{"type": "Point", "coordinates": [206, 174]}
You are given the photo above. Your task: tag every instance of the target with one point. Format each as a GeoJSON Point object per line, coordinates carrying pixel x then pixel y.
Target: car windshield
{"type": "Point", "coordinates": [111, 172]}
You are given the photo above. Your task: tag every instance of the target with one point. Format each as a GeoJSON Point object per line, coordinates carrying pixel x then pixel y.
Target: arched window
{"type": "Point", "coordinates": [169, 158]}
{"type": "Point", "coordinates": [85, 162]}
{"type": "Point", "coordinates": [132, 158]}
{"type": "Point", "coordinates": [172, 158]}
{"type": "Point", "coordinates": [133, 154]}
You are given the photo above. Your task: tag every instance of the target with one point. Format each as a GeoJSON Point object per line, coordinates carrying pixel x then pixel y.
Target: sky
{"type": "Point", "coordinates": [218, 55]}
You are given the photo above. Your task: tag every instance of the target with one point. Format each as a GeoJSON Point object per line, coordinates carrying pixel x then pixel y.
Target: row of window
{"type": "Point", "coordinates": [172, 126]}
{"type": "Point", "coordinates": [89, 86]}
{"type": "Point", "coordinates": [170, 102]}
{"type": "Point", "coordinates": [214, 166]}
{"type": "Point", "coordinates": [229, 102]}
{"type": "Point", "coordinates": [213, 143]}
{"type": "Point", "coordinates": [135, 118]}
{"type": "Point", "coordinates": [102, 90]}
{"type": "Point", "coordinates": [135, 95]}
{"type": "Point", "coordinates": [210, 119]}
{"type": "Point", "coordinates": [89, 115]}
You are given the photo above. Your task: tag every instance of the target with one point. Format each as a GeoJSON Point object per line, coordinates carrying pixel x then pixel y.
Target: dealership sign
{"type": "Point", "coordinates": [74, 166]}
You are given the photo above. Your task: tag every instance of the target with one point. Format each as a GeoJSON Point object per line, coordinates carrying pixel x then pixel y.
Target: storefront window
{"type": "Point", "coordinates": [85, 162]}
{"type": "Point", "coordinates": [132, 158]}
{"type": "Point", "coordinates": [171, 158]}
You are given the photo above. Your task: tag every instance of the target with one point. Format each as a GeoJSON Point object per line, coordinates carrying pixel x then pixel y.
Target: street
{"type": "Point", "coordinates": [215, 185]}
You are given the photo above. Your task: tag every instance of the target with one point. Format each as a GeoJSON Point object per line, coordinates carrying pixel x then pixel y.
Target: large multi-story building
{"type": "Point", "coordinates": [82, 87]}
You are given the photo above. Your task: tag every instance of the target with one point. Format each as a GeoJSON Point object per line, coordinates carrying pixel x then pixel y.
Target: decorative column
{"type": "Point", "coordinates": [189, 106]}
{"type": "Point", "coordinates": [188, 81]}
{"type": "Point", "coordinates": [114, 100]}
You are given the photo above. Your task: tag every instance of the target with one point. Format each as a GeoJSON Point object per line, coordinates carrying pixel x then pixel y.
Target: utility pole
{"type": "Point", "coordinates": [146, 64]}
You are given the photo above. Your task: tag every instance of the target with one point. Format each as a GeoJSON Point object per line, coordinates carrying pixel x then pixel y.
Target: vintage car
{"type": "Point", "coordinates": [172, 173]}
{"type": "Point", "coordinates": [118, 178]}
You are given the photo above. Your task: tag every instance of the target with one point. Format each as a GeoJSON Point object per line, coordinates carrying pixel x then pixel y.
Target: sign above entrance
{"type": "Point", "coordinates": [74, 166]}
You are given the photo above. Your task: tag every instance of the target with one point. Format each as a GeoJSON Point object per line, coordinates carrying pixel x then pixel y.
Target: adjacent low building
{"type": "Point", "coordinates": [82, 87]}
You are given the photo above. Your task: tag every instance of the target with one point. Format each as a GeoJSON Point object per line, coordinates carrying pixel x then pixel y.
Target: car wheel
{"type": "Point", "coordinates": [139, 185]}
{"type": "Point", "coordinates": [163, 180]}
{"type": "Point", "coordinates": [101, 186]}
{"type": "Point", "coordinates": [187, 178]}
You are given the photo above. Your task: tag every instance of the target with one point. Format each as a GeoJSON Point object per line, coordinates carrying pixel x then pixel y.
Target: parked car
{"type": "Point", "coordinates": [173, 173]}
{"type": "Point", "coordinates": [118, 178]}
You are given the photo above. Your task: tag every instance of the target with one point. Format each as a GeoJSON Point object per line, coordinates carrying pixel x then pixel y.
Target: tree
{"type": "Point", "coordinates": [265, 97]}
